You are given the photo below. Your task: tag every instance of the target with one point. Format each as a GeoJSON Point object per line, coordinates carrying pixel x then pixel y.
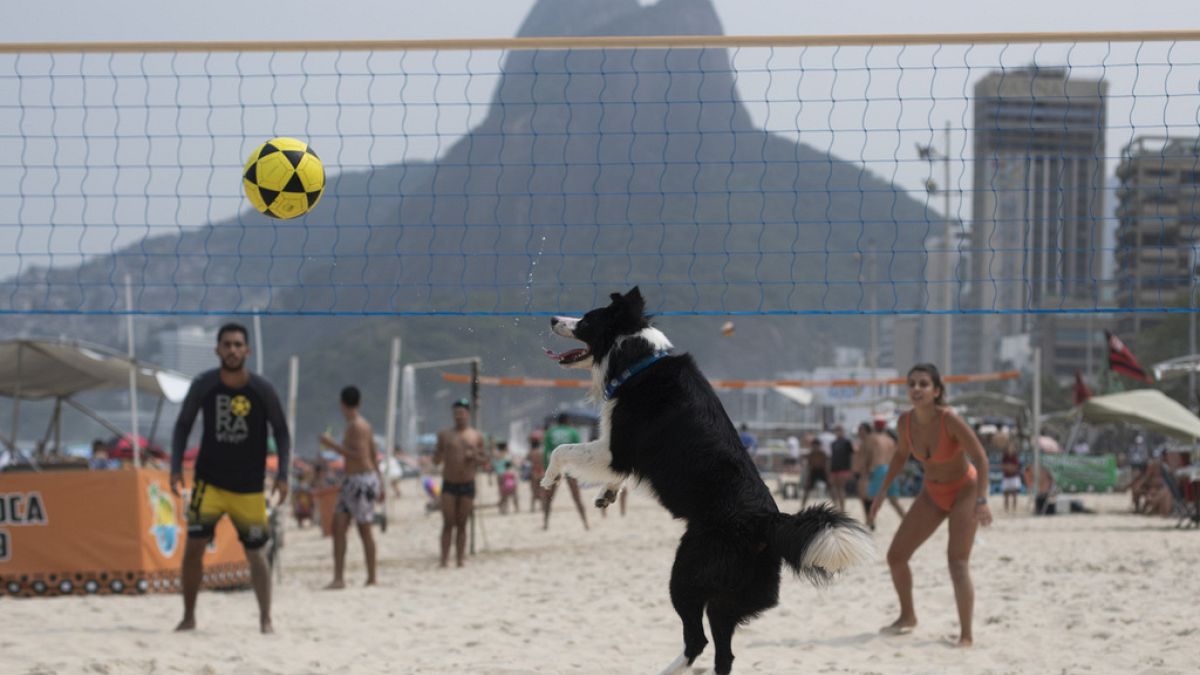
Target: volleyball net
{"type": "Point", "coordinates": [889, 175]}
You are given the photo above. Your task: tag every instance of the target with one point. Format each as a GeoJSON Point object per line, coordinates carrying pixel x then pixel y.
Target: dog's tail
{"type": "Point", "coordinates": [819, 541]}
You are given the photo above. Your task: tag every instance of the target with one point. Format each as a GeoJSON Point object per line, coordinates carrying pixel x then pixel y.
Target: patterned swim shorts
{"type": "Point", "coordinates": [357, 496]}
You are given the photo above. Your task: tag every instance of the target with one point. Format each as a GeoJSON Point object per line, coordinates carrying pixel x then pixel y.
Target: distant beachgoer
{"type": "Point", "coordinates": [858, 466]}
{"type": "Point", "coordinates": [361, 487]}
{"type": "Point", "coordinates": [395, 469]}
{"type": "Point", "coordinates": [101, 461]}
{"type": "Point", "coordinates": [461, 449]}
{"type": "Point", "coordinates": [878, 448]}
{"type": "Point", "coordinates": [506, 477]}
{"type": "Point", "coordinates": [816, 470]}
{"type": "Point", "coordinates": [557, 435]}
{"type": "Point", "coordinates": [1044, 496]}
{"type": "Point", "coordinates": [1139, 454]}
{"type": "Point", "coordinates": [791, 463]}
{"type": "Point", "coordinates": [1010, 467]}
{"type": "Point", "coordinates": [1151, 495]}
{"type": "Point", "coordinates": [537, 469]}
{"type": "Point", "coordinates": [840, 463]}
{"type": "Point", "coordinates": [955, 489]}
{"type": "Point", "coordinates": [749, 442]}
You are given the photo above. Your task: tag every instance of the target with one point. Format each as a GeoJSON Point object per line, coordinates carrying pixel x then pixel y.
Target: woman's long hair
{"type": "Point", "coordinates": [935, 376]}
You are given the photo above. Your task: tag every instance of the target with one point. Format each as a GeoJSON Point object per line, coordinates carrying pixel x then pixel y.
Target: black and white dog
{"type": "Point", "coordinates": [662, 423]}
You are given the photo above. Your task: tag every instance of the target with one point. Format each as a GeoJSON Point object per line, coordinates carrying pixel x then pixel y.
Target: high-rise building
{"type": "Point", "coordinates": [187, 349]}
{"type": "Point", "coordinates": [1159, 226]}
{"type": "Point", "coordinates": [1036, 234]}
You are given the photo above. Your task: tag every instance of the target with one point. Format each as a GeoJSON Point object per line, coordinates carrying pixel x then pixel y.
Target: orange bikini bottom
{"type": "Point", "coordinates": [944, 494]}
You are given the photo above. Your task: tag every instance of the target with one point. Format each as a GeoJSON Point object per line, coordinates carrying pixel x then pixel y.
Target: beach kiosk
{"type": "Point", "coordinates": [79, 531]}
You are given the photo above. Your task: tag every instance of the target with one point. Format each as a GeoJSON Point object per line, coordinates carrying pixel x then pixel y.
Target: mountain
{"type": "Point", "coordinates": [592, 171]}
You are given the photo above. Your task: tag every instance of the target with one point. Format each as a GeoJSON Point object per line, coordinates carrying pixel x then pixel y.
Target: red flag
{"type": "Point", "coordinates": [1082, 393]}
{"type": "Point", "coordinates": [1121, 359]}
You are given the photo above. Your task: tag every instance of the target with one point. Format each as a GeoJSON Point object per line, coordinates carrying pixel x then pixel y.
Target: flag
{"type": "Point", "coordinates": [1082, 393]}
{"type": "Point", "coordinates": [1121, 359]}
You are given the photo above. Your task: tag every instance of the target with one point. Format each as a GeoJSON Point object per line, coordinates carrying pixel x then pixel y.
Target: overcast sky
{"type": "Point", "coordinates": [54, 20]}
{"type": "Point", "coordinates": [1136, 102]}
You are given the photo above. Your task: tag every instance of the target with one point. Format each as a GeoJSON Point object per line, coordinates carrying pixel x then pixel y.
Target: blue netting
{"type": "Point", "coordinates": [999, 180]}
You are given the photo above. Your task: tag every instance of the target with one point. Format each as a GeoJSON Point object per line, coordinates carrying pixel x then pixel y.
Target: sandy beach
{"type": "Point", "coordinates": [1104, 593]}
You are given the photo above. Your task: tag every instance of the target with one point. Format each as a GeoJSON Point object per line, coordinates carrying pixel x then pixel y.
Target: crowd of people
{"type": "Point", "coordinates": [846, 468]}
{"type": "Point", "coordinates": [241, 411]}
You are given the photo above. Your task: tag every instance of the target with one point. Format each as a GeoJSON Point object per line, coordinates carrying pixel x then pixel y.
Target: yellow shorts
{"type": "Point", "coordinates": [247, 510]}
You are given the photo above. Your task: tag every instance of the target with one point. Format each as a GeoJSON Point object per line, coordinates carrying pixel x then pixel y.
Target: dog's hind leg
{"type": "Point", "coordinates": [728, 610]}
{"type": "Point", "coordinates": [688, 597]}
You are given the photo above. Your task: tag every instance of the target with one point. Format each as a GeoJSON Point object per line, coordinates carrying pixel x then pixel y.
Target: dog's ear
{"type": "Point", "coordinates": [636, 303]}
{"type": "Point", "coordinates": [616, 297]}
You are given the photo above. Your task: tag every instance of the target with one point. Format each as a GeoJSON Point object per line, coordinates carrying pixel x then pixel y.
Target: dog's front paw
{"type": "Point", "coordinates": [549, 480]}
{"type": "Point", "coordinates": [606, 498]}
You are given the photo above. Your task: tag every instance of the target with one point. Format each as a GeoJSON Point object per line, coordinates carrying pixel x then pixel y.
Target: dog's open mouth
{"type": "Point", "coordinates": [568, 357]}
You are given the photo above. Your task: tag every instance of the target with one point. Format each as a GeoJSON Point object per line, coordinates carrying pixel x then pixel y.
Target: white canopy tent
{"type": "Point", "coordinates": [1149, 408]}
{"type": "Point", "coordinates": [1176, 367]}
{"type": "Point", "coordinates": [38, 369]}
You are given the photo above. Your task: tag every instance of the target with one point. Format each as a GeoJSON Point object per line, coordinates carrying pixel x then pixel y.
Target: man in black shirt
{"type": "Point", "coordinates": [840, 462]}
{"type": "Point", "coordinates": [231, 466]}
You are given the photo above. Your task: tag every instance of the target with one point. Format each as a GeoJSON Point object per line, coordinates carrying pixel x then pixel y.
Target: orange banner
{"type": "Point", "coordinates": [64, 532]}
{"type": "Point", "coordinates": [735, 384]}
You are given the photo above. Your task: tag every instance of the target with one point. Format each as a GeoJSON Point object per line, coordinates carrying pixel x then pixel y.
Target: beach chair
{"type": "Point", "coordinates": [1187, 512]}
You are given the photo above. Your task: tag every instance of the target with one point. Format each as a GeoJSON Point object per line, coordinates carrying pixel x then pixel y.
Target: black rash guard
{"type": "Point", "coordinates": [233, 446]}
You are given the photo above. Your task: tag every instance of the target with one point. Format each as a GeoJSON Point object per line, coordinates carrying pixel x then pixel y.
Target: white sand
{"type": "Point", "coordinates": [1101, 593]}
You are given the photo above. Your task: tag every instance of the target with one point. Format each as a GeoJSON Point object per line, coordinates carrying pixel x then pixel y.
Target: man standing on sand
{"type": "Point", "coordinates": [878, 448]}
{"type": "Point", "coordinates": [231, 466]}
{"type": "Point", "coordinates": [841, 462]}
{"type": "Point", "coordinates": [361, 487]}
{"type": "Point", "coordinates": [461, 448]}
{"type": "Point", "coordinates": [816, 469]}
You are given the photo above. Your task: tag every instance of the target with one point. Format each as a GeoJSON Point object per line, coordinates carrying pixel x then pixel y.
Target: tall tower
{"type": "Point", "coordinates": [1159, 227]}
{"type": "Point", "coordinates": [1038, 200]}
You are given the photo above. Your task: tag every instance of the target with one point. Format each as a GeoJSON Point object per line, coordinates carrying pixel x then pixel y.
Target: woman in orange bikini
{"type": "Point", "coordinates": [955, 488]}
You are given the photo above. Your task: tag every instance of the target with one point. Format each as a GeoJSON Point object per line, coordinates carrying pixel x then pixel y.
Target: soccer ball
{"type": "Point", "coordinates": [283, 178]}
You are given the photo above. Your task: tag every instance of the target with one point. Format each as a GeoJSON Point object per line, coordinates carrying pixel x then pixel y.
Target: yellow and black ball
{"type": "Point", "coordinates": [284, 178]}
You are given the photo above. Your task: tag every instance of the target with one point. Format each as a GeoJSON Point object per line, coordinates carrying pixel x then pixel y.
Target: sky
{"type": "Point", "coordinates": [30, 21]}
{"type": "Point", "coordinates": [888, 153]}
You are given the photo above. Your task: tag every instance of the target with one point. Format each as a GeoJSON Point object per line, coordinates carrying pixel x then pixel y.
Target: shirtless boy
{"type": "Point", "coordinates": [361, 487]}
{"type": "Point", "coordinates": [878, 448]}
{"type": "Point", "coordinates": [461, 449]}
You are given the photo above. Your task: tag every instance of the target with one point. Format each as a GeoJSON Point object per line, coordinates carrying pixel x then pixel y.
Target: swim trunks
{"type": "Point", "coordinates": [876, 482]}
{"type": "Point", "coordinates": [357, 496]}
{"type": "Point", "coordinates": [247, 510]}
{"type": "Point", "coordinates": [466, 489]}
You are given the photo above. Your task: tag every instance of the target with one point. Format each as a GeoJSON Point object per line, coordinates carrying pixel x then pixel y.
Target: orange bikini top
{"type": "Point", "coordinates": [947, 448]}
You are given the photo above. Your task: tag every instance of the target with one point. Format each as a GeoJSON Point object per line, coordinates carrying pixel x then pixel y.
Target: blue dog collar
{"type": "Point", "coordinates": [616, 382]}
